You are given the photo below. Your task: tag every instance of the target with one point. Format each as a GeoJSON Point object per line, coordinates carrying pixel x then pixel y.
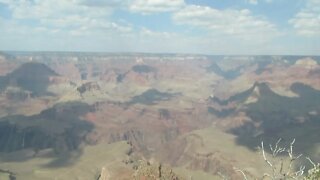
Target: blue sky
{"type": "Point", "coordinates": [230, 27]}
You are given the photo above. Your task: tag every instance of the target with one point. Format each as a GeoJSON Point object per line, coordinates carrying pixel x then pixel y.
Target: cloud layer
{"type": "Point", "coordinates": [307, 21]}
{"type": "Point", "coordinates": [158, 26]}
{"type": "Point", "coordinates": [238, 23]}
{"type": "Point", "coordinates": [154, 6]}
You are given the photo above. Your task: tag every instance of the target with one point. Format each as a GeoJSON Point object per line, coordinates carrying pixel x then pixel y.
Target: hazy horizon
{"type": "Point", "coordinates": [151, 53]}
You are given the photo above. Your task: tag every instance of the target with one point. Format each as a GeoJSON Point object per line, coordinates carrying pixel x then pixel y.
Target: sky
{"type": "Point", "coordinates": [217, 27]}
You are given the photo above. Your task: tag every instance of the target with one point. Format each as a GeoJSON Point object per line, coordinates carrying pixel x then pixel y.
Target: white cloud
{"type": "Point", "coordinates": [252, 2]}
{"type": "Point", "coordinates": [147, 32]}
{"type": "Point", "coordinates": [237, 23]}
{"type": "Point", "coordinates": [154, 6]}
{"type": "Point", "coordinates": [255, 2]}
{"type": "Point", "coordinates": [307, 21]}
{"type": "Point", "coordinates": [102, 3]}
{"type": "Point", "coordinates": [66, 16]}
{"type": "Point", "coordinates": [37, 9]}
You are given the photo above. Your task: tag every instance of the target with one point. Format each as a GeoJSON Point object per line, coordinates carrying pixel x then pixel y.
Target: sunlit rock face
{"type": "Point", "coordinates": [307, 63]}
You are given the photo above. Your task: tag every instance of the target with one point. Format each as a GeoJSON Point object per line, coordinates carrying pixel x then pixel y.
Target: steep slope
{"type": "Point", "coordinates": [86, 166]}
{"type": "Point", "coordinates": [274, 112]}
{"type": "Point", "coordinates": [59, 128]}
{"type": "Point", "coordinates": [214, 152]}
{"type": "Point", "coordinates": [229, 74]}
{"type": "Point", "coordinates": [33, 77]}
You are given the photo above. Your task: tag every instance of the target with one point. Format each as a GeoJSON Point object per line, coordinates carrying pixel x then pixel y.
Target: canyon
{"type": "Point", "coordinates": [69, 115]}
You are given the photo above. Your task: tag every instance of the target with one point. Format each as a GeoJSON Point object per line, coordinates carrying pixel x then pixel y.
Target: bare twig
{"type": "Point", "coordinates": [222, 176]}
{"type": "Point", "coordinates": [266, 175]}
{"type": "Point", "coordinates": [243, 174]}
{"type": "Point", "coordinates": [300, 171]}
{"type": "Point", "coordinates": [267, 161]}
{"type": "Point", "coordinates": [281, 167]}
{"type": "Point", "coordinates": [276, 150]}
{"type": "Point", "coordinates": [314, 164]}
{"type": "Point", "coordinates": [292, 158]}
{"type": "Point", "coordinates": [283, 172]}
{"type": "Point", "coordinates": [264, 155]}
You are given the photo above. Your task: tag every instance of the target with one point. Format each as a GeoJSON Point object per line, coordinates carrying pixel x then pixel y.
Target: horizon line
{"type": "Point", "coordinates": [148, 53]}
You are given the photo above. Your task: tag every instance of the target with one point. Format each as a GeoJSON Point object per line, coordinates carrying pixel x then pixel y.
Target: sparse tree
{"type": "Point", "coordinates": [283, 169]}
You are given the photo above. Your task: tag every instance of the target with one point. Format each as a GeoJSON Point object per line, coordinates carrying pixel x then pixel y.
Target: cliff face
{"type": "Point", "coordinates": [13, 139]}
{"type": "Point", "coordinates": [59, 128]}
{"type": "Point", "coordinates": [33, 77]}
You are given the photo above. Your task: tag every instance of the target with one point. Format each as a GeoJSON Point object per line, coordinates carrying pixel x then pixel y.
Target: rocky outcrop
{"type": "Point", "coordinates": [213, 163]}
{"type": "Point", "coordinates": [306, 63]}
{"type": "Point", "coordinates": [104, 174]}
{"type": "Point", "coordinates": [7, 175]}
{"type": "Point", "coordinates": [148, 171]}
